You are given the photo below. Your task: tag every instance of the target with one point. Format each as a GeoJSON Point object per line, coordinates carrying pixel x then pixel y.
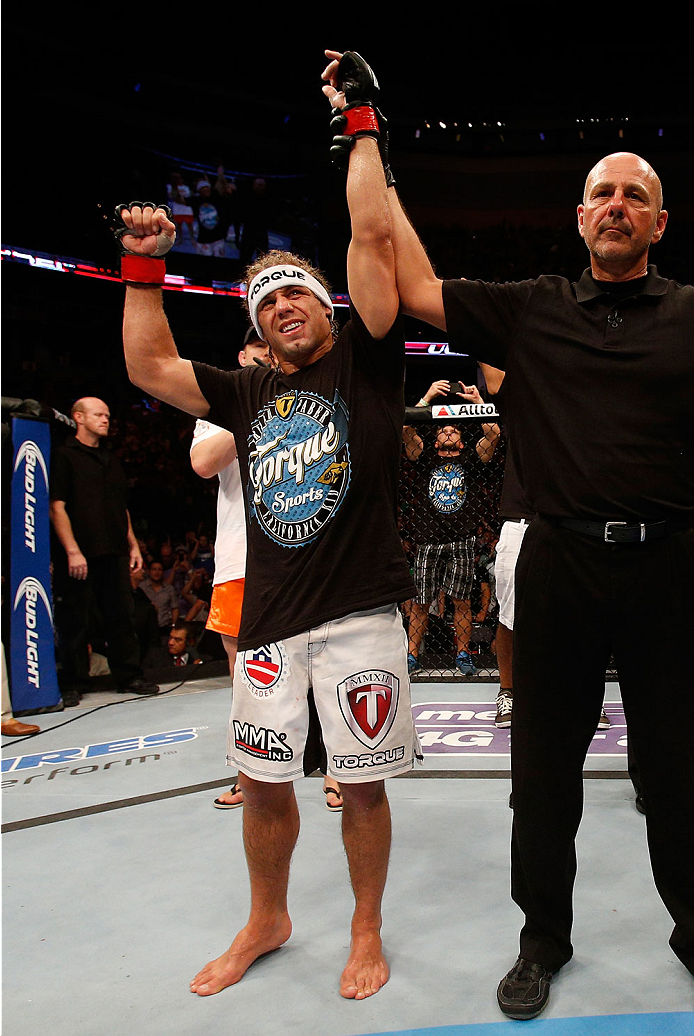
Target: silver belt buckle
{"type": "Point", "coordinates": [607, 530]}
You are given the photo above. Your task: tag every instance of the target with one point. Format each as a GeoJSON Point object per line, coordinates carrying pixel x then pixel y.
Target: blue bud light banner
{"type": "Point", "coordinates": [34, 682]}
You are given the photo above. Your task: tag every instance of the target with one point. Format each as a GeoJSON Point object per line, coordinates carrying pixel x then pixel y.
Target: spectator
{"type": "Point", "coordinates": [163, 597]}
{"type": "Point", "coordinates": [211, 214]}
{"type": "Point", "coordinates": [181, 648]}
{"type": "Point", "coordinates": [227, 192]}
{"type": "Point", "coordinates": [146, 622]}
{"type": "Point", "coordinates": [178, 194]}
{"type": "Point", "coordinates": [205, 554]}
{"type": "Point", "coordinates": [197, 593]}
{"type": "Point", "coordinates": [256, 216]}
{"type": "Point", "coordinates": [448, 521]}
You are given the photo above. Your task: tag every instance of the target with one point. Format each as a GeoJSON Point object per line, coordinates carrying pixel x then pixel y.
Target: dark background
{"type": "Point", "coordinates": [92, 108]}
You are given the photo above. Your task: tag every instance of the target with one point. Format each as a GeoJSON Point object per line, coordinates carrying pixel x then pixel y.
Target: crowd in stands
{"type": "Point", "coordinates": [217, 216]}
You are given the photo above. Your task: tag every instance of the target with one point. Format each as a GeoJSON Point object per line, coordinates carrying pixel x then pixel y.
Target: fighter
{"type": "Point", "coordinates": [213, 454]}
{"type": "Point", "coordinates": [324, 556]}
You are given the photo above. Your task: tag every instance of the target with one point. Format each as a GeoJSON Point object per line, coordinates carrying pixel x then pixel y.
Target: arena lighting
{"type": "Point", "coordinates": [179, 282]}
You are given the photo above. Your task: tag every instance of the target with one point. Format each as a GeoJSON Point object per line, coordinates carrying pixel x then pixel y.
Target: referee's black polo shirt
{"type": "Point", "coordinates": [91, 483]}
{"type": "Point", "coordinates": [599, 390]}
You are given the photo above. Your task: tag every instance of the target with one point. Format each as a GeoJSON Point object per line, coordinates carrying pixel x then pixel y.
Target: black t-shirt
{"type": "Point", "coordinates": [319, 452]}
{"type": "Point", "coordinates": [213, 216]}
{"type": "Point", "coordinates": [599, 390]}
{"type": "Point", "coordinates": [514, 502]}
{"type": "Point", "coordinates": [91, 483]}
{"type": "Point", "coordinates": [447, 499]}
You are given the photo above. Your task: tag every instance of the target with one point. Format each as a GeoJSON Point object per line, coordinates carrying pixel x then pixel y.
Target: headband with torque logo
{"type": "Point", "coordinates": [282, 277]}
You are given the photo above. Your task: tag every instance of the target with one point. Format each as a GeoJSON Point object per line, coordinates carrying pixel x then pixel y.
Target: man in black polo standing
{"type": "Point", "coordinates": [600, 381]}
{"type": "Point", "coordinates": [92, 560]}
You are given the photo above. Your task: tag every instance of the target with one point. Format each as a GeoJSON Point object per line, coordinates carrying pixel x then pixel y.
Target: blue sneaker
{"type": "Point", "coordinates": [464, 663]}
{"type": "Point", "coordinates": [413, 665]}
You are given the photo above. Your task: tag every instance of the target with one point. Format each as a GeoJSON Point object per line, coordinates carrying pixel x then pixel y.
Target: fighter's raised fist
{"type": "Point", "coordinates": [350, 80]}
{"type": "Point", "coordinates": [143, 228]}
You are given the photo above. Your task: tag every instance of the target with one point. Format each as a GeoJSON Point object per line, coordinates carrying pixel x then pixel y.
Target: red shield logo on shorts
{"type": "Point", "coordinates": [262, 667]}
{"type": "Point", "coordinates": [369, 701]}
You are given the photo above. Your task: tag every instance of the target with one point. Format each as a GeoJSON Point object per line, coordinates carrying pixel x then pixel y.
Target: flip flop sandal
{"type": "Point", "coordinates": [333, 809]}
{"type": "Point", "coordinates": [219, 804]}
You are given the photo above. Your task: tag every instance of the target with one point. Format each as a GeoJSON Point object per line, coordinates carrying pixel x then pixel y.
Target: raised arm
{"type": "Point", "coordinates": [486, 446]}
{"type": "Point", "coordinates": [351, 87]}
{"type": "Point", "coordinates": [151, 356]}
{"type": "Point", "coordinates": [493, 377]}
{"type": "Point", "coordinates": [370, 258]}
{"type": "Point", "coordinates": [491, 433]}
{"type": "Point", "coordinates": [413, 442]}
{"type": "Point", "coordinates": [419, 288]}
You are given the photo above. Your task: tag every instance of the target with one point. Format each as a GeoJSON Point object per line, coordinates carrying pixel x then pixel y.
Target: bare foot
{"type": "Point", "coordinates": [367, 969]}
{"type": "Point", "coordinates": [244, 950]}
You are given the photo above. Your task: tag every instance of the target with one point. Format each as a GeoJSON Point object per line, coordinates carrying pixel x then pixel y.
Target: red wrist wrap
{"type": "Point", "coordinates": [361, 120]}
{"type": "Point", "coordinates": [142, 269]}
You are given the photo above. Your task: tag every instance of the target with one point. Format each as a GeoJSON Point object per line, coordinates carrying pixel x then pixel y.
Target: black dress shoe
{"type": "Point", "coordinates": [140, 687]}
{"type": "Point", "coordinates": [524, 992]}
{"type": "Point", "coordinates": [640, 804]}
{"type": "Point", "coordinates": [70, 698]}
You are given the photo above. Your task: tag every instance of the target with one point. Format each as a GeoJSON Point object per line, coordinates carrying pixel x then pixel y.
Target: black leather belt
{"type": "Point", "coordinates": [624, 532]}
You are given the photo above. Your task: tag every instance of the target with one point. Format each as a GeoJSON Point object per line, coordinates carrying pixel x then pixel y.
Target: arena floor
{"type": "Point", "coordinates": [120, 881]}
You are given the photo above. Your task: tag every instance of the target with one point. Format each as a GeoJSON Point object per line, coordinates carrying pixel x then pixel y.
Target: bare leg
{"type": "Point", "coordinates": [419, 620]}
{"type": "Point", "coordinates": [230, 798]}
{"type": "Point", "coordinates": [462, 621]}
{"type": "Point", "coordinates": [366, 834]}
{"type": "Point", "coordinates": [270, 831]}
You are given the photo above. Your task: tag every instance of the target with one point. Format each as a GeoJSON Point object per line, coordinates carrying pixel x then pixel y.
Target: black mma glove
{"type": "Point", "coordinates": [142, 269]}
{"type": "Point", "coordinates": [360, 117]}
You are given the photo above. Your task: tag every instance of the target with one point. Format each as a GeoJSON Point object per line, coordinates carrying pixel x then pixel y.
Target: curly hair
{"type": "Point", "coordinates": [279, 258]}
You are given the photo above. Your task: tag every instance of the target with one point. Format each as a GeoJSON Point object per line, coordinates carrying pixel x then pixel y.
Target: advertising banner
{"type": "Point", "coordinates": [34, 683]}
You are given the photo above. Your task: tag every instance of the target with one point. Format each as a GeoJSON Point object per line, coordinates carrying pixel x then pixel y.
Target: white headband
{"type": "Point", "coordinates": [281, 277]}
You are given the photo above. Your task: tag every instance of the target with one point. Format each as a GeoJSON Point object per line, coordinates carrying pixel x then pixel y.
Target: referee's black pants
{"type": "Point", "coordinates": [577, 600]}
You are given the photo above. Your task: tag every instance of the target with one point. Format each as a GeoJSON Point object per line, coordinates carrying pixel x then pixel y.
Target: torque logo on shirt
{"type": "Point", "coordinates": [298, 465]}
{"type": "Point", "coordinates": [447, 488]}
{"type": "Point", "coordinates": [262, 669]}
{"type": "Point", "coordinates": [284, 404]}
{"type": "Point", "coordinates": [369, 701]}
{"type": "Point", "coordinates": [262, 742]}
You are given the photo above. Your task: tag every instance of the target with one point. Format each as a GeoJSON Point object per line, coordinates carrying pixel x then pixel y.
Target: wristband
{"type": "Point", "coordinates": [422, 402]}
{"type": "Point", "coordinates": [360, 120]}
{"type": "Point", "coordinates": [141, 269]}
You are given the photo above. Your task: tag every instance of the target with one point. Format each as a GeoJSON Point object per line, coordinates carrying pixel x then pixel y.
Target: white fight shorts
{"type": "Point", "coordinates": [357, 668]}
